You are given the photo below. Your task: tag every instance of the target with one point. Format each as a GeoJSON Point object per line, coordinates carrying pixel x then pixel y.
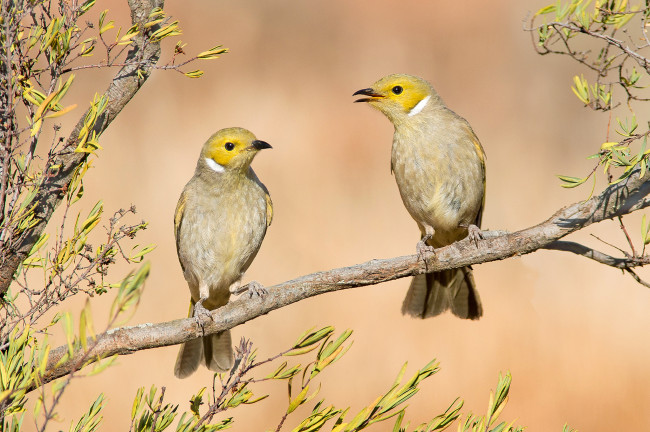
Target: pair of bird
{"type": "Point", "coordinates": [224, 211]}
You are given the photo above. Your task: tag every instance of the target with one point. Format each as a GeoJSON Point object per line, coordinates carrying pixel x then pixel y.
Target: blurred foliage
{"type": "Point", "coordinates": [609, 38]}
{"type": "Point", "coordinates": [234, 388]}
{"type": "Point", "coordinates": [43, 44]}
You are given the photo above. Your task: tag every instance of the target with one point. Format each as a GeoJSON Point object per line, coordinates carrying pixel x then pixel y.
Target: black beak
{"type": "Point", "coordinates": [367, 92]}
{"type": "Point", "coordinates": [260, 145]}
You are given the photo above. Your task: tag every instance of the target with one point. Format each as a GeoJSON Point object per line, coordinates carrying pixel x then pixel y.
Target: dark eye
{"type": "Point", "coordinates": [229, 146]}
{"type": "Point", "coordinates": [398, 89]}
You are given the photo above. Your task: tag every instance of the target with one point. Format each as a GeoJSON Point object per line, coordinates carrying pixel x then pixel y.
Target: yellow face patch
{"type": "Point", "coordinates": [227, 145]}
{"type": "Point", "coordinates": [406, 91]}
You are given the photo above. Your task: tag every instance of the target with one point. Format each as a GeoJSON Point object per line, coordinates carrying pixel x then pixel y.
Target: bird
{"type": "Point", "coordinates": [439, 167]}
{"type": "Point", "coordinates": [220, 221]}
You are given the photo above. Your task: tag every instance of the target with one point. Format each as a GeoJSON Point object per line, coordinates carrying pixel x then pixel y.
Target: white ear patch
{"type": "Point", "coordinates": [214, 166]}
{"type": "Point", "coordinates": [420, 106]}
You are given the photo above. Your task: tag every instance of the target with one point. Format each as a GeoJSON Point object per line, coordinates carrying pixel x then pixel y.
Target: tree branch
{"type": "Point", "coordinates": [619, 199]}
{"type": "Point", "coordinates": [637, 278]}
{"type": "Point", "coordinates": [144, 55]}
{"type": "Point", "coordinates": [599, 257]}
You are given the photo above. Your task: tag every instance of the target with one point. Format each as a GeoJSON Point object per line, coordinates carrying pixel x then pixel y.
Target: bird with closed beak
{"type": "Point", "coordinates": [439, 167]}
{"type": "Point", "coordinates": [221, 219]}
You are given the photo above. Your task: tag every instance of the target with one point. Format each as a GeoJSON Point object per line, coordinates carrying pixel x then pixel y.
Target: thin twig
{"type": "Point", "coordinates": [627, 236]}
{"type": "Point", "coordinates": [637, 278]}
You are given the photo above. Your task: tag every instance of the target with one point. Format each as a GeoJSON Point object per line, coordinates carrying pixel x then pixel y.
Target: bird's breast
{"type": "Point", "coordinates": [440, 179]}
{"type": "Point", "coordinates": [221, 233]}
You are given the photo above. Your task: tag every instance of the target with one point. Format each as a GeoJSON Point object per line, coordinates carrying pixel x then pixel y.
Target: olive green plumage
{"type": "Point", "coordinates": [221, 219]}
{"type": "Point", "coordinates": [439, 167]}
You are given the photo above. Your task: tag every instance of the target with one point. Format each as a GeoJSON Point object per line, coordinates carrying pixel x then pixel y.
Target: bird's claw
{"type": "Point", "coordinates": [200, 312]}
{"type": "Point", "coordinates": [423, 249]}
{"type": "Point", "coordinates": [255, 288]}
{"type": "Point", "coordinates": [474, 234]}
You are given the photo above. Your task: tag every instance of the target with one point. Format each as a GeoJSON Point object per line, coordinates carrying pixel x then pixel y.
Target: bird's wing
{"type": "Point", "coordinates": [481, 155]}
{"type": "Point", "coordinates": [267, 196]}
{"type": "Point", "coordinates": [178, 220]}
{"type": "Point", "coordinates": [269, 210]}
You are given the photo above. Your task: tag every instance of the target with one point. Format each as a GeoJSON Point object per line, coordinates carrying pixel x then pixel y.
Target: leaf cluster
{"type": "Point", "coordinates": [609, 38]}
{"type": "Point", "coordinates": [236, 387]}
{"type": "Point", "coordinates": [44, 47]}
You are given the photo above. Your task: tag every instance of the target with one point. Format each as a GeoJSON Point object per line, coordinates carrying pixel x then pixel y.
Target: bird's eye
{"type": "Point", "coordinates": [229, 146]}
{"type": "Point", "coordinates": [398, 89]}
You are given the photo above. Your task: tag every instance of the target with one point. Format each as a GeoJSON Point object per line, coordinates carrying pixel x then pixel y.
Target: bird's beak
{"type": "Point", "coordinates": [367, 92]}
{"type": "Point", "coordinates": [260, 145]}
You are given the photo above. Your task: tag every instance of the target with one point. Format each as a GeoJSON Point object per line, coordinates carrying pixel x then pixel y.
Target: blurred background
{"type": "Point", "coordinates": [572, 332]}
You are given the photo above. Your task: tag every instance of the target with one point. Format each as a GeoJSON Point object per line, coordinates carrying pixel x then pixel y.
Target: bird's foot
{"type": "Point", "coordinates": [200, 312]}
{"type": "Point", "coordinates": [255, 288]}
{"type": "Point", "coordinates": [474, 234]}
{"type": "Point", "coordinates": [423, 249]}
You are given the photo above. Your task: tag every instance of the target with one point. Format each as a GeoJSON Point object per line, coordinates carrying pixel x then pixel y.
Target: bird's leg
{"type": "Point", "coordinates": [235, 288]}
{"type": "Point", "coordinates": [474, 233]}
{"type": "Point", "coordinates": [422, 247]}
{"type": "Point", "coordinates": [253, 288]}
{"type": "Point", "coordinates": [200, 312]}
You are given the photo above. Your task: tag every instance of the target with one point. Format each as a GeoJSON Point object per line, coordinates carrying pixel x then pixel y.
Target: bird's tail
{"type": "Point", "coordinates": [215, 350]}
{"type": "Point", "coordinates": [189, 357]}
{"type": "Point", "coordinates": [431, 294]}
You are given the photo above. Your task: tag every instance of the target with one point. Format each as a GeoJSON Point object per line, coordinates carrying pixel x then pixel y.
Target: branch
{"type": "Point", "coordinates": [599, 257]}
{"type": "Point", "coordinates": [637, 278]}
{"type": "Point", "coordinates": [618, 199]}
{"type": "Point", "coordinates": [124, 86]}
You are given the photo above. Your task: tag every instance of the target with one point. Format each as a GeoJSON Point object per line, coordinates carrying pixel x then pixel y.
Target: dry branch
{"type": "Point", "coordinates": [619, 199]}
{"type": "Point", "coordinates": [142, 56]}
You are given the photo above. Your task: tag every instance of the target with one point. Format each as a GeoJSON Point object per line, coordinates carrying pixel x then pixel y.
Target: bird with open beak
{"type": "Point", "coordinates": [439, 167]}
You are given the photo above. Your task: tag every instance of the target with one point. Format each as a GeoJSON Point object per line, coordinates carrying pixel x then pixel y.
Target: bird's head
{"type": "Point", "coordinates": [400, 96]}
{"type": "Point", "coordinates": [231, 149]}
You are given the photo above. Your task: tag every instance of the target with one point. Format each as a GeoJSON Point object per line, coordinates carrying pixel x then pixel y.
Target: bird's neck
{"type": "Point", "coordinates": [226, 177]}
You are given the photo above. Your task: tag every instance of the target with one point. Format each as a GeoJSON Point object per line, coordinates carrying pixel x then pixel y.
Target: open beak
{"type": "Point", "coordinates": [367, 92]}
{"type": "Point", "coordinates": [260, 145]}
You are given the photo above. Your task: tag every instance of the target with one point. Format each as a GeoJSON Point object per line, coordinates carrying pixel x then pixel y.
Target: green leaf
{"type": "Point", "coordinates": [546, 10]}
{"type": "Point", "coordinates": [310, 338]}
{"type": "Point", "coordinates": [194, 74]}
{"type": "Point", "coordinates": [196, 402]}
{"type": "Point", "coordinates": [581, 89]}
{"type": "Point", "coordinates": [298, 400]}
{"type": "Point", "coordinates": [645, 230]}
{"type": "Point", "coordinates": [571, 182]}
{"type": "Point", "coordinates": [212, 53]}
{"type": "Point", "coordinates": [99, 366]}
{"type": "Point", "coordinates": [85, 6]}
{"type": "Point", "coordinates": [170, 29]}
{"type": "Point", "coordinates": [140, 255]}
{"type": "Point", "coordinates": [130, 290]}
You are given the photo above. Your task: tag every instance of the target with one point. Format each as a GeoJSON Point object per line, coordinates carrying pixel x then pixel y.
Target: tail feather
{"type": "Point", "coordinates": [218, 351]}
{"type": "Point", "coordinates": [431, 294]}
{"type": "Point", "coordinates": [215, 350]}
{"type": "Point", "coordinates": [188, 359]}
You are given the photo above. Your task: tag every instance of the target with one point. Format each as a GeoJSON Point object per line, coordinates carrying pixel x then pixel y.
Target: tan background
{"type": "Point", "coordinates": [573, 333]}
